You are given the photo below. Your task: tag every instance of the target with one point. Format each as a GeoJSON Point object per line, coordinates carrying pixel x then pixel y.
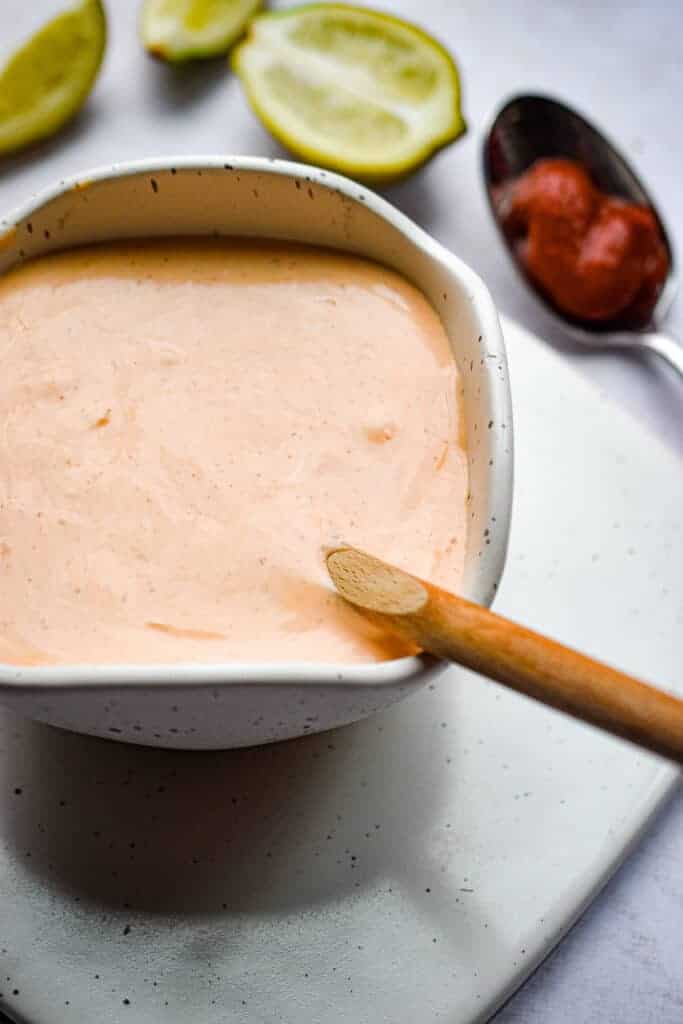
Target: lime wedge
{"type": "Point", "coordinates": [178, 30]}
{"type": "Point", "coordinates": [361, 92]}
{"type": "Point", "coordinates": [47, 81]}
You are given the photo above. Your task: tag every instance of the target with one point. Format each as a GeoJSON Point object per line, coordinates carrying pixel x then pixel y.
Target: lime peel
{"type": "Point", "coordinates": [361, 92]}
{"type": "Point", "coordinates": [180, 30]}
{"type": "Point", "coordinates": [49, 78]}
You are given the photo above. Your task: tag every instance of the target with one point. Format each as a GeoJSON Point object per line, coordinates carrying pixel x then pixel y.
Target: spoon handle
{"type": "Point", "coordinates": [453, 628]}
{"type": "Point", "coordinates": [665, 347]}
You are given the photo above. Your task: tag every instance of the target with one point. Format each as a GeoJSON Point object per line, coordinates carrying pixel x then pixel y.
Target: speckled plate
{"type": "Point", "coordinates": [413, 867]}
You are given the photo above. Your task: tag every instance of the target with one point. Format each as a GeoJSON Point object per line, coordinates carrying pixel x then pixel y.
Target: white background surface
{"type": "Point", "coordinates": [622, 64]}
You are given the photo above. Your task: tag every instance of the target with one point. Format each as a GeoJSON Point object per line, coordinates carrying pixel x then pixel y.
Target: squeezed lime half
{"type": "Point", "coordinates": [361, 92]}
{"type": "Point", "coordinates": [178, 30]}
{"type": "Point", "coordinates": [49, 78]}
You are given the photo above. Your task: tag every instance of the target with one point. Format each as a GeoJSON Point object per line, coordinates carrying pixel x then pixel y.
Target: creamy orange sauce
{"type": "Point", "coordinates": [185, 426]}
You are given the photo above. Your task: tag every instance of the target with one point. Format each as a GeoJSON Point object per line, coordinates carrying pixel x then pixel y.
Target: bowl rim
{"type": "Point", "coordinates": [397, 671]}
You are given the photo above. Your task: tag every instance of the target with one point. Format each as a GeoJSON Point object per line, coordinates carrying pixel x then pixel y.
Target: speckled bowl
{"type": "Point", "coordinates": [232, 705]}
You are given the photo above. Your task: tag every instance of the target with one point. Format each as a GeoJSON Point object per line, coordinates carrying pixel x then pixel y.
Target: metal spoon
{"type": "Point", "coordinates": [530, 127]}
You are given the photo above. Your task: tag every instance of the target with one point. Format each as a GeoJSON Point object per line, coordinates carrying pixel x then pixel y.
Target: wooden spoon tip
{"type": "Point", "coordinates": [371, 583]}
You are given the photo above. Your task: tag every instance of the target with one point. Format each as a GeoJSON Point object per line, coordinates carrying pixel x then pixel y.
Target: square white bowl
{"type": "Point", "coordinates": [200, 706]}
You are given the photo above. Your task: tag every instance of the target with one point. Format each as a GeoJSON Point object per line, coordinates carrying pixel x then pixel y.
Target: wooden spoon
{"type": "Point", "coordinates": [452, 628]}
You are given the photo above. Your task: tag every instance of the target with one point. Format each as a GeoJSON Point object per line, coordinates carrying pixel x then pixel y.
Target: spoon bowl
{"type": "Point", "coordinates": [529, 128]}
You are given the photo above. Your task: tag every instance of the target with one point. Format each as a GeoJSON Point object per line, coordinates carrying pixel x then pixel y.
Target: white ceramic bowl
{"type": "Point", "coordinates": [231, 705]}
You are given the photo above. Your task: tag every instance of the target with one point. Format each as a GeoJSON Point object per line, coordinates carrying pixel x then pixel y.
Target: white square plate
{"type": "Point", "coordinates": [412, 867]}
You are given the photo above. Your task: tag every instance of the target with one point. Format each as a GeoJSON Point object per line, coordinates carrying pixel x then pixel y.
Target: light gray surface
{"type": "Point", "coordinates": [622, 64]}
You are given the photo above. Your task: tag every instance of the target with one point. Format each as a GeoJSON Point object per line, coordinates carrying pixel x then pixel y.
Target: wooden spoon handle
{"type": "Point", "coordinates": [455, 629]}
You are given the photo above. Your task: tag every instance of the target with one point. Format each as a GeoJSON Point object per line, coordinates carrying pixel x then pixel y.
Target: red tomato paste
{"type": "Point", "coordinates": [597, 257]}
